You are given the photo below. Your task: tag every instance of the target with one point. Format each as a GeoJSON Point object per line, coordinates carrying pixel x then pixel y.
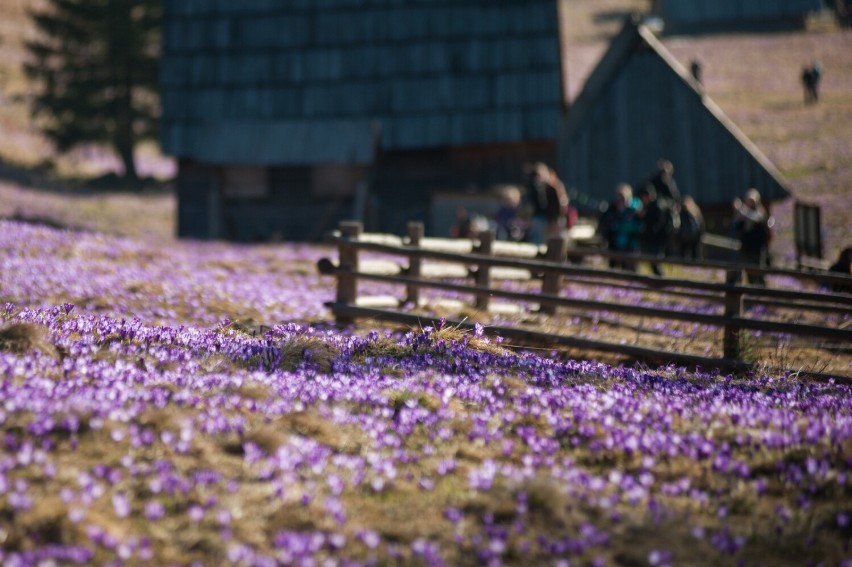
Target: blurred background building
{"type": "Point", "coordinates": [287, 118]}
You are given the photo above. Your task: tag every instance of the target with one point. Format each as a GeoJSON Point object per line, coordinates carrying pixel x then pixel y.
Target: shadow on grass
{"type": "Point", "coordinates": [609, 16]}
{"type": "Point", "coordinates": [44, 221]}
{"type": "Point", "coordinates": [766, 25]}
{"type": "Point", "coordinates": [43, 177]}
{"type": "Point", "coordinates": [755, 26]}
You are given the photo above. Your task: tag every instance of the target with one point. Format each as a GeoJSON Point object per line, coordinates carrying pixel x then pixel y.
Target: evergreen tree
{"type": "Point", "coordinates": [96, 67]}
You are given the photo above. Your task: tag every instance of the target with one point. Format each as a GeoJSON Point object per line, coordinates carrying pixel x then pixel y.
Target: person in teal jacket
{"type": "Point", "coordinates": [620, 226]}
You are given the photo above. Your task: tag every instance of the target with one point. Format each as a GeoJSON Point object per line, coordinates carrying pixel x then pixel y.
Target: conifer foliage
{"type": "Point", "coordinates": [95, 65]}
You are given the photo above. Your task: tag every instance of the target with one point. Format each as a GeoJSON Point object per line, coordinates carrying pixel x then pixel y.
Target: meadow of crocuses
{"type": "Point", "coordinates": [189, 403]}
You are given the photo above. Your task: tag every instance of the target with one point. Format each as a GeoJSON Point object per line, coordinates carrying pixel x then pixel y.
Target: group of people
{"type": "Point", "coordinates": [536, 211]}
{"type": "Point", "coordinates": [656, 221]}
{"type": "Point", "coordinates": [659, 222]}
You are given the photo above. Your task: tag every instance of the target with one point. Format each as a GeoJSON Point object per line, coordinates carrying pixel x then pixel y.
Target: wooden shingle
{"type": "Point", "coordinates": [433, 72]}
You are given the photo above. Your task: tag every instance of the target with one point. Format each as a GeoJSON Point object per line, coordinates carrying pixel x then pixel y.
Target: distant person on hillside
{"type": "Point", "coordinates": [695, 69]}
{"type": "Point", "coordinates": [816, 74]}
{"type": "Point", "coordinates": [751, 225]}
{"type": "Point", "coordinates": [807, 80]}
{"type": "Point", "coordinates": [619, 227]}
{"type": "Point", "coordinates": [810, 81]}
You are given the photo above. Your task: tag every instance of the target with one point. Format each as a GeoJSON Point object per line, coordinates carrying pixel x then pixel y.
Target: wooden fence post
{"type": "Point", "coordinates": [483, 272]}
{"type": "Point", "coordinates": [347, 283]}
{"type": "Point", "coordinates": [415, 235]}
{"type": "Point", "coordinates": [734, 276]}
{"type": "Point", "coordinates": [731, 340]}
{"type": "Point", "coordinates": [557, 248]}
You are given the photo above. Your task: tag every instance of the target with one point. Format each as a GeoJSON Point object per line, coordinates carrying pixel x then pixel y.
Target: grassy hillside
{"type": "Point", "coordinates": [21, 144]}
{"type": "Point", "coordinates": [587, 26]}
{"type": "Point", "coordinates": [755, 79]}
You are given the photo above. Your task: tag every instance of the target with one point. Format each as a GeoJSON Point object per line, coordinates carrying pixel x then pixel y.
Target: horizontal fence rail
{"type": "Point", "coordinates": [472, 266]}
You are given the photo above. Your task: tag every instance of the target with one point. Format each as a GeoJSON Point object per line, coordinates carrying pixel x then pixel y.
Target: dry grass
{"type": "Point", "coordinates": [307, 350]}
{"type": "Point", "coordinates": [452, 334]}
{"type": "Point", "coordinates": [766, 352]}
{"type": "Point", "coordinates": [587, 26]}
{"type": "Point", "coordinates": [20, 338]}
{"type": "Point", "coordinates": [403, 512]}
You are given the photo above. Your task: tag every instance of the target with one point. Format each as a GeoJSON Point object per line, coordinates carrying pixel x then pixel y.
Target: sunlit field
{"type": "Point", "coordinates": [166, 405]}
{"type": "Point", "coordinates": [168, 402]}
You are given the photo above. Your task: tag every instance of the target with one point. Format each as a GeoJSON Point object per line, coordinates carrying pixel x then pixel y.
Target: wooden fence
{"type": "Point", "coordinates": [471, 267]}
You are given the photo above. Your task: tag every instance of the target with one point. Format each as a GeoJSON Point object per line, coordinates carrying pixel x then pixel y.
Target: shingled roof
{"type": "Point", "coordinates": [304, 81]}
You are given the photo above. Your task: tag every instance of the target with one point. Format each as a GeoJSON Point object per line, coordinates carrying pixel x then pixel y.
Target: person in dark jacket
{"type": "Point", "coordinates": [810, 81]}
{"type": "Point", "coordinates": [669, 200]}
{"type": "Point", "coordinates": [691, 230]}
{"type": "Point", "coordinates": [654, 235]}
{"type": "Point", "coordinates": [549, 202]}
{"type": "Point", "coordinates": [751, 225]}
{"type": "Point", "coordinates": [664, 182]}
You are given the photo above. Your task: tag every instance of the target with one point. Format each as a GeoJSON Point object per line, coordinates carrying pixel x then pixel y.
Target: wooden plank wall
{"type": "Point", "coordinates": [647, 112]}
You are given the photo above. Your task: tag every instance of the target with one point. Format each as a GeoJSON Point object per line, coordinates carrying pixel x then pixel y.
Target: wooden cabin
{"type": "Point", "coordinates": [683, 16]}
{"type": "Point", "coordinates": [287, 117]}
{"type": "Point", "coordinates": [640, 105]}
